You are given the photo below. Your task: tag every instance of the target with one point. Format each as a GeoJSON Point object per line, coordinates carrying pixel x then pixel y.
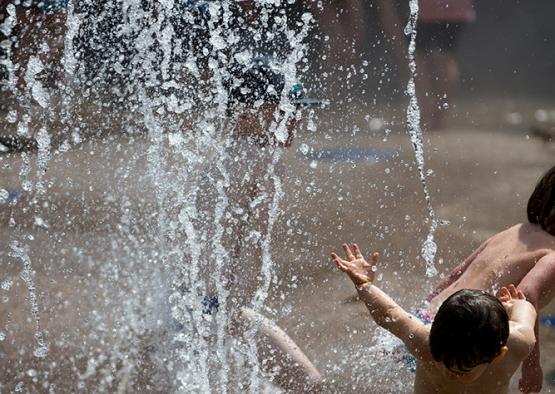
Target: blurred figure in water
{"type": "Point", "coordinates": [235, 212]}
{"type": "Point", "coordinates": [261, 128]}
{"type": "Point", "coordinates": [440, 24]}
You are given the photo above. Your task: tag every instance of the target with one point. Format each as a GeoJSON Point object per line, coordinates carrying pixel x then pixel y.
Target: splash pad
{"type": "Point", "coordinates": [139, 218]}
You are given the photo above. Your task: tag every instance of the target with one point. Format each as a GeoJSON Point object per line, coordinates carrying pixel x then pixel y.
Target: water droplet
{"type": "Point", "coordinates": [7, 285]}
{"type": "Point", "coordinates": [304, 149]}
{"type": "Point", "coordinates": [39, 222]}
{"type": "Point", "coordinates": [41, 352]}
{"type": "Point", "coordinates": [4, 196]}
{"type": "Point", "coordinates": [12, 116]}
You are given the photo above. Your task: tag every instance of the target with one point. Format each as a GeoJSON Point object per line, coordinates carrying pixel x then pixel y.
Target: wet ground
{"type": "Point", "coordinates": [346, 181]}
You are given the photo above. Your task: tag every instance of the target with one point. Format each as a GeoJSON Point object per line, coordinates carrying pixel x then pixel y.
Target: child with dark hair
{"type": "Point", "coordinates": [475, 343]}
{"type": "Point", "coordinates": [470, 328]}
{"type": "Point", "coordinates": [523, 254]}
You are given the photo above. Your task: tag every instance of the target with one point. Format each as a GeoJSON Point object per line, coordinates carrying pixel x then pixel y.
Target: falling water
{"type": "Point", "coordinates": [17, 251]}
{"type": "Point", "coordinates": [155, 75]}
{"type": "Point", "coordinates": [133, 138]}
{"type": "Point", "coordinates": [429, 247]}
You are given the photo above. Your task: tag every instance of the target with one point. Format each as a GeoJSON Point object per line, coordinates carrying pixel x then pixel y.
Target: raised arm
{"type": "Point", "coordinates": [385, 312]}
{"type": "Point", "coordinates": [522, 317]}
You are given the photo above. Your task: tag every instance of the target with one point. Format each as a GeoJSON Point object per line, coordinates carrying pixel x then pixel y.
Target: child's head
{"type": "Point", "coordinates": [541, 205]}
{"type": "Point", "coordinates": [255, 94]}
{"type": "Point", "coordinates": [471, 328]}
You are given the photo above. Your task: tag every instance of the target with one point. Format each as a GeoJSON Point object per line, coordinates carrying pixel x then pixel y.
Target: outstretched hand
{"type": "Point", "coordinates": [510, 294]}
{"type": "Point", "coordinates": [358, 269]}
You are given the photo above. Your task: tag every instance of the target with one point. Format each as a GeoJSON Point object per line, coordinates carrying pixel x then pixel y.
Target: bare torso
{"type": "Point", "coordinates": [503, 259]}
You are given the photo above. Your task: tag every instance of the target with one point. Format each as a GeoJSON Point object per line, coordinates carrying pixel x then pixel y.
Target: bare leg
{"type": "Point", "coordinates": [280, 355]}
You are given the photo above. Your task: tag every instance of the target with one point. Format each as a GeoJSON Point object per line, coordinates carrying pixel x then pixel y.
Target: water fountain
{"type": "Point", "coordinates": [137, 219]}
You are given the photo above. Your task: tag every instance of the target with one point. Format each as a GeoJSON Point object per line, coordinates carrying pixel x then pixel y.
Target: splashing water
{"type": "Point", "coordinates": [429, 247]}
{"type": "Point", "coordinates": [18, 252]}
{"type": "Point", "coordinates": [138, 119]}
{"type": "Point", "coordinates": [157, 211]}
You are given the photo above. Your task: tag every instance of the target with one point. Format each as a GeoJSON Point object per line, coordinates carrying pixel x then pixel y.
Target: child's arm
{"type": "Point", "coordinates": [538, 286]}
{"type": "Point", "coordinates": [456, 272]}
{"type": "Point", "coordinates": [385, 312]}
{"type": "Point", "coordinates": [522, 317]}
{"type": "Point", "coordinates": [522, 338]}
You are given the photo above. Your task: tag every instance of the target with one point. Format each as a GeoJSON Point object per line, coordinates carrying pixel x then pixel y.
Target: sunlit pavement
{"type": "Point", "coordinates": [362, 187]}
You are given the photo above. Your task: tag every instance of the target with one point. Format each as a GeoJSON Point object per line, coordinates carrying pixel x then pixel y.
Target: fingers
{"type": "Point", "coordinates": [505, 294]}
{"type": "Point", "coordinates": [348, 252]}
{"type": "Point", "coordinates": [339, 262]}
{"type": "Point", "coordinates": [515, 293]}
{"type": "Point", "coordinates": [358, 254]}
{"type": "Point", "coordinates": [375, 257]}
{"type": "Point", "coordinates": [511, 292]}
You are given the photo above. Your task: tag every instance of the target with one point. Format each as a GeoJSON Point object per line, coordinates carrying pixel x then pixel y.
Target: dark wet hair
{"type": "Point", "coordinates": [541, 205]}
{"type": "Point", "coordinates": [470, 328]}
{"type": "Point", "coordinates": [258, 81]}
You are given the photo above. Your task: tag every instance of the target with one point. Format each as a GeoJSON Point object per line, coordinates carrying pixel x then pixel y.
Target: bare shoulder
{"type": "Point", "coordinates": [415, 335]}
{"type": "Point", "coordinates": [422, 343]}
{"type": "Point", "coordinates": [535, 235]}
{"type": "Point", "coordinates": [508, 234]}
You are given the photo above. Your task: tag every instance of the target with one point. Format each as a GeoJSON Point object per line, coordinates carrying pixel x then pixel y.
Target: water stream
{"type": "Point", "coordinates": [157, 204]}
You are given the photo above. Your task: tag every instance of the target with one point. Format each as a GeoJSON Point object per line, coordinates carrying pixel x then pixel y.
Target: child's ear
{"type": "Point", "coordinates": [502, 352]}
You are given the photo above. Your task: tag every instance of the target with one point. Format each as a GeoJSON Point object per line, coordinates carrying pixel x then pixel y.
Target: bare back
{"type": "Point", "coordinates": [503, 259]}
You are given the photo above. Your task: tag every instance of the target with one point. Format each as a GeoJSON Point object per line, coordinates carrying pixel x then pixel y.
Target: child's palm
{"type": "Point", "coordinates": [358, 269]}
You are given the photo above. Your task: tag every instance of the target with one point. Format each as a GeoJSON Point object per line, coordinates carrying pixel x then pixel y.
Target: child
{"type": "Point", "coordinates": [523, 254]}
{"type": "Point", "coordinates": [246, 176]}
{"type": "Point", "coordinates": [475, 343]}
